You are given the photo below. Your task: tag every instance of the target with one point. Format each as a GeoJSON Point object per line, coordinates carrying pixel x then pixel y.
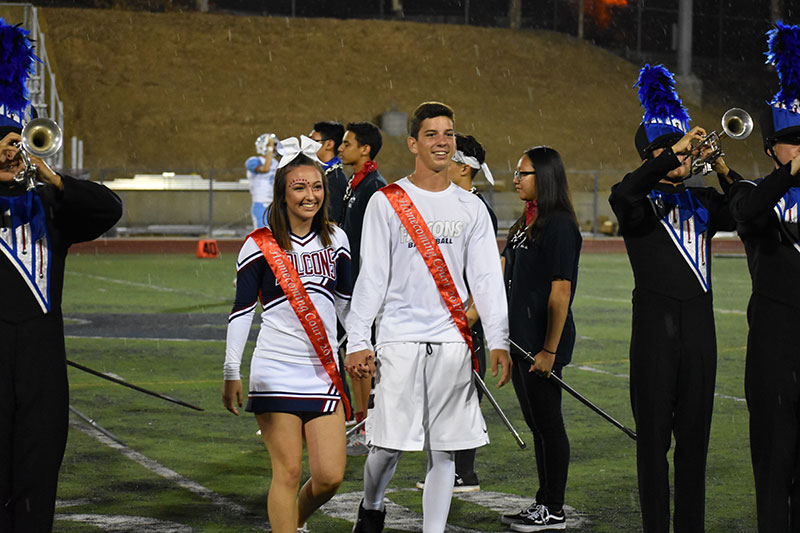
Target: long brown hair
{"type": "Point", "coordinates": [278, 217]}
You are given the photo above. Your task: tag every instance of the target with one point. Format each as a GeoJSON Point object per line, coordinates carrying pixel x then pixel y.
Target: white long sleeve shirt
{"type": "Point", "coordinates": [395, 287]}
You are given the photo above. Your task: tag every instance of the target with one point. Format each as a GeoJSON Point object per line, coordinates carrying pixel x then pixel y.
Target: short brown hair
{"type": "Point", "coordinates": [427, 110]}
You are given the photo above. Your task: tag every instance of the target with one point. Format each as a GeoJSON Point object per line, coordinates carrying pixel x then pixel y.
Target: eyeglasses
{"type": "Point", "coordinates": [519, 174]}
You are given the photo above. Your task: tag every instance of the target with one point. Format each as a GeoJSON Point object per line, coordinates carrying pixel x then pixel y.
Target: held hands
{"type": "Point", "coordinates": [543, 363]}
{"type": "Point", "coordinates": [360, 364]}
{"type": "Point", "coordinates": [232, 395]}
{"type": "Point", "coordinates": [500, 357]}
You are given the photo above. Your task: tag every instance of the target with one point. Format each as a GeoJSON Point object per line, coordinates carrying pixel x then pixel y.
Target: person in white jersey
{"type": "Point", "coordinates": [425, 396]}
{"type": "Point", "coordinates": [295, 387]}
{"type": "Point", "coordinates": [261, 177]}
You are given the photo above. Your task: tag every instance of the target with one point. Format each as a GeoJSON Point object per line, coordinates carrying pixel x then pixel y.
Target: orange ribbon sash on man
{"type": "Point", "coordinates": [425, 242]}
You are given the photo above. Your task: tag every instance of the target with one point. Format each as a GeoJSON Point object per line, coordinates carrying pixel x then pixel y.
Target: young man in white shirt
{"type": "Point", "coordinates": [425, 396]}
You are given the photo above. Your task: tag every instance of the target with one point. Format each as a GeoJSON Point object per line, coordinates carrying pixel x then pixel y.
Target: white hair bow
{"type": "Point", "coordinates": [460, 157]}
{"type": "Point", "coordinates": [293, 147]}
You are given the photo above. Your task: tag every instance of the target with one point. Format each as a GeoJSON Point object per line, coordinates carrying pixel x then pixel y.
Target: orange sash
{"type": "Point", "coordinates": [303, 307]}
{"type": "Point", "coordinates": [425, 242]}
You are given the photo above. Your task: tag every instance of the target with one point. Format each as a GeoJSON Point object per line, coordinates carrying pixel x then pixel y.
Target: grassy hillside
{"type": "Point", "coordinates": [194, 90]}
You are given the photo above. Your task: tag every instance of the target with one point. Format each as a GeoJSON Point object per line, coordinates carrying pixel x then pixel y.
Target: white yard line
{"type": "Point", "coordinates": [163, 471]}
{"type": "Point", "coordinates": [135, 284]}
{"type": "Point", "coordinates": [157, 339]}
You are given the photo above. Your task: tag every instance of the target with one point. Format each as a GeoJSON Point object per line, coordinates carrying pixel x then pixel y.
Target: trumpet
{"type": "Point", "coordinates": [736, 124]}
{"type": "Point", "coordinates": [41, 137]}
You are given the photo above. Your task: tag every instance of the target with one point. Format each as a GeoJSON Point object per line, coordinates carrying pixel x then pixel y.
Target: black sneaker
{"type": "Point", "coordinates": [369, 521]}
{"type": "Point", "coordinates": [541, 520]}
{"type": "Point", "coordinates": [513, 518]}
{"type": "Point", "coordinates": [466, 484]}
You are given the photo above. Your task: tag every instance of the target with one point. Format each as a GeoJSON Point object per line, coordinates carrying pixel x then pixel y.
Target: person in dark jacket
{"type": "Point", "coordinates": [360, 146]}
{"type": "Point", "coordinates": [667, 228]}
{"type": "Point", "coordinates": [329, 134]}
{"type": "Point", "coordinates": [766, 212]}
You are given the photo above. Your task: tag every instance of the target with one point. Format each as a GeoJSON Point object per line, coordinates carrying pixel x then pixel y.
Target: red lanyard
{"type": "Point", "coordinates": [426, 245]}
{"type": "Point", "coordinates": [303, 307]}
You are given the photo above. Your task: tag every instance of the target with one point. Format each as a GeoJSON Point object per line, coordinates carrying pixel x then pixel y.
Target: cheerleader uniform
{"type": "Point", "coordinates": [286, 374]}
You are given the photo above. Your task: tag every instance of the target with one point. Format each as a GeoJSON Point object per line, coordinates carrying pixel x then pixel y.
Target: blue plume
{"type": "Point", "coordinates": [658, 96]}
{"type": "Point", "coordinates": [783, 51]}
{"type": "Point", "coordinates": [16, 64]}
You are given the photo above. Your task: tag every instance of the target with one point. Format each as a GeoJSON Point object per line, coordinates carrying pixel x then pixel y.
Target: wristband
{"type": "Point", "coordinates": [548, 351]}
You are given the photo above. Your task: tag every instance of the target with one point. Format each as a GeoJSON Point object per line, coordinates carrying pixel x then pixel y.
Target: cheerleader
{"type": "Point", "coordinates": [299, 269]}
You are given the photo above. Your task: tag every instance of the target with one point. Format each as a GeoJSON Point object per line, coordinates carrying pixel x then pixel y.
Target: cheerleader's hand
{"type": "Point", "coordinates": [360, 364]}
{"type": "Point", "coordinates": [232, 395]}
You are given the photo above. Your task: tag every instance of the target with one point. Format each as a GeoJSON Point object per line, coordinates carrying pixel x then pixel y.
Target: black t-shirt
{"type": "Point", "coordinates": [530, 270]}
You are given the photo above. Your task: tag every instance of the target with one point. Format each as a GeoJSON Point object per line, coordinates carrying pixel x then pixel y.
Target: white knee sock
{"type": "Point", "coordinates": [438, 491]}
{"type": "Point", "coordinates": [378, 471]}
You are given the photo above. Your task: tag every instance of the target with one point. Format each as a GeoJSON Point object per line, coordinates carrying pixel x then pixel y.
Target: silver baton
{"type": "Point", "coordinates": [578, 396]}
{"type": "Point", "coordinates": [499, 411]}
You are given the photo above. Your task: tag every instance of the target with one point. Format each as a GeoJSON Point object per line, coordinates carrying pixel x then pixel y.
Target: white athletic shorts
{"type": "Point", "coordinates": [425, 399]}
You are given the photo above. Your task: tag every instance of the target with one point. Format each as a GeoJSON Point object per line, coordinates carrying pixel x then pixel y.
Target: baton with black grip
{"type": "Point", "coordinates": [576, 394]}
{"type": "Point", "coordinates": [132, 386]}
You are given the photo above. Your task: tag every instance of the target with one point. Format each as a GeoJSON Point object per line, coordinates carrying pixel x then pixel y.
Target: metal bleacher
{"type": "Point", "coordinates": [42, 84]}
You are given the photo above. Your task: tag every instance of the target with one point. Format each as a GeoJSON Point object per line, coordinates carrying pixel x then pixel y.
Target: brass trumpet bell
{"type": "Point", "coordinates": [41, 137]}
{"type": "Point", "coordinates": [737, 123]}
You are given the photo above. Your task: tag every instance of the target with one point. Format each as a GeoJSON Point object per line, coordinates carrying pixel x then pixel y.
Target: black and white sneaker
{"type": "Point", "coordinates": [541, 520]}
{"type": "Point", "coordinates": [466, 484]}
{"type": "Point", "coordinates": [513, 518]}
{"type": "Point", "coordinates": [369, 521]}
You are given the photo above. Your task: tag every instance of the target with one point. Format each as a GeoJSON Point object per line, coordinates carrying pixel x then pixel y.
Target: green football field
{"type": "Point", "coordinates": [158, 321]}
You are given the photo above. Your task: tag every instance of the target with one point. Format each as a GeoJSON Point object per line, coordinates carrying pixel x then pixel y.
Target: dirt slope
{"type": "Point", "coordinates": [192, 91]}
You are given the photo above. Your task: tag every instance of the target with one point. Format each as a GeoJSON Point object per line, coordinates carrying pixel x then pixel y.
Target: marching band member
{"type": "Point", "coordinates": [37, 227]}
{"type": "Point", "coordinates": [766, 211]}
{"type": "Point", "coordinates": [667, 228]}
{"type": "Point", "coordinates": [424, 234]}
{"type": "Point", "coordinates": [299, 268]}
{"type": "Point", "coordinates": [541, 273]}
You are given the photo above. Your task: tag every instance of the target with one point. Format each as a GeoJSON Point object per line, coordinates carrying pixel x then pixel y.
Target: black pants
{"type": "Point", "coordinates": [673, 360]}
{"type": "Point", "coordinates": [773, 393]}
{"type": "Point", "coordinates": [34, 411]}
{"type": "Point", "coordinates": [540, 401]}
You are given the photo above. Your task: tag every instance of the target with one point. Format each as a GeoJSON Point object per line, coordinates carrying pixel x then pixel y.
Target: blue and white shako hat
{"type": "Point", "coordinates": [782, 117]}
{"type": "Point", "coordinates": [665, 119]}
{"type": "Point", "coordinates": [16, 65]}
